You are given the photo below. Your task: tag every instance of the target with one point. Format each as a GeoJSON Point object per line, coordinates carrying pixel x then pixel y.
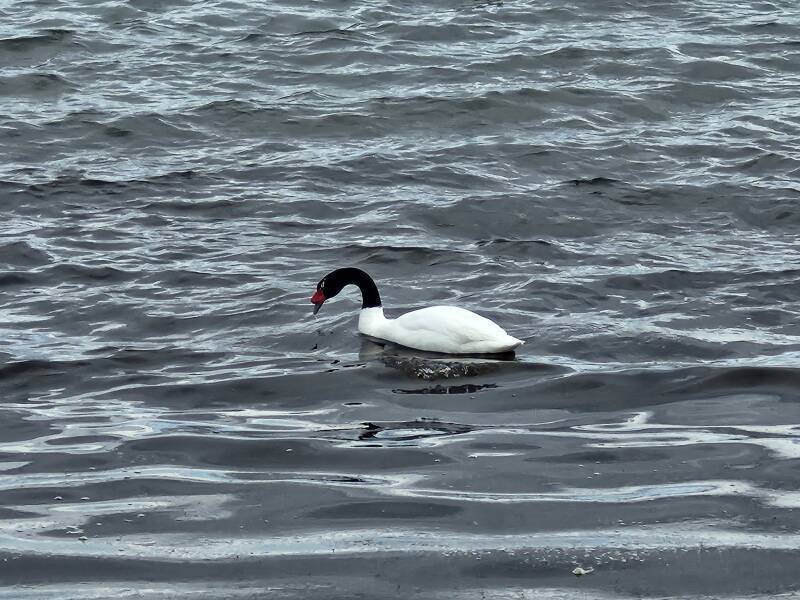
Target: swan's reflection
{"type": "Point", "coordinates": [430, 366]}
{"type": "Point", "coordinates": [376, 349]}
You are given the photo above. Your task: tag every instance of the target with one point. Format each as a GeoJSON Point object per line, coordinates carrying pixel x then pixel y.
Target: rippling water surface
{"type": "Point", "coordinates": [614, 182]}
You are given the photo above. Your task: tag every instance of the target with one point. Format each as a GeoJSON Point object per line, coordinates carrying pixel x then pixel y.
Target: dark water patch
{"type": "Point", "coordinates": [698, 94]}
{"type": "Point", "coordinates": [138, 130]}
{"type": "Point", "coordinates": [770, 318]}
{"type": "Point", "coordinates": [503, 446]}
{"type": "Point", "coordinates": [35, 85]}
{"type": "Point", "coordinates": [334, 125]}
{"type": "Point", "coordinates": [7, 187]}
{"type": "Point", "coordinates": [611, 456]}
{"type": "Point", "coordinates": [174, 178]}
{"type": "Point", "coordinates": [289, 454]}
{"type": "Point", "coordinates": [24, 374]}
{"type": "Point", "coordinates": [594, 181]}
{"type": "Point", "coordinates": [391, 255]}
{"type": "Point", "coordinates": [149, 357]}
{"type": "Point", "coordinates": [621, 391]}
{"type": "Point", "coordinates": [11, 279]}
{"type": "Point", "coordinates": [564, 296]}
{"type": "Point", "coordinates": [289, 391]}
{"type": "Point", "coordinates": [86, 273]}
{"type": "Point", "coordinates": [476, 218]}
{"type": "Point", "coordinates": [768, 163]}
{"type": "Point", "coordinates": [136, 368]}
{"type": "Point", "coordinates": [385, 510]}
{"type": "Point", "coordinates": [27, 367]}
{"type": "Point", "coordinates": [209, 208]}
{"type": "Point", "coordinates": [538, 249]}
{"type": "Point", "coordinates": [646, 573]}
{"type": "Point", "coordinates": [197, 279]}
{"type": "Point", "coordinates": [72, 184]}
{"type": "Point", "coordinates": [644, 348]}
{"type": "Point", "coordinates": [680, 279]}
{"type": "Point", "coordinates": [225, 107]}
{"type": "Point", "coordinates": [28, 48]}
{"type": "Point", "coordinates": [20, 429]}
{"type": "Point", "coordinates": [736, 380]}
{"type": "Point", "coordinates": [715, 70]}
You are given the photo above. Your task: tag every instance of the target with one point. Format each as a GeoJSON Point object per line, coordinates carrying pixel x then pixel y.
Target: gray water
{"type": "Point", "coordinates": [616, 183]}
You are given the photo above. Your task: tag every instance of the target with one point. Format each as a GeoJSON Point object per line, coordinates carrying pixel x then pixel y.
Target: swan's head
{"type": "Point", "coordinates": [333, 282]}
{"type": "Point", "coordinates": [328, 287]}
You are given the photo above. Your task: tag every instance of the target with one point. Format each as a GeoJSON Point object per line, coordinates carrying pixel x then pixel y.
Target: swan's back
{"type": "Point", "coordinates": [449, 329]}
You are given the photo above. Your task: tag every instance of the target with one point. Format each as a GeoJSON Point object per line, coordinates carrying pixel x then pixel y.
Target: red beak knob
{"type": "Point", "coordinates": [317, 299]}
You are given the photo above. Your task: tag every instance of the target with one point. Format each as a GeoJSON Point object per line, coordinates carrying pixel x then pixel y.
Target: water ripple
{"type": "Point", "coordinates": [614, 183]}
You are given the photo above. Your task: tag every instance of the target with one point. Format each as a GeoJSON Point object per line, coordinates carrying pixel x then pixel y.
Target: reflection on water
{"type": "Point", "coordinates": [466, 388]}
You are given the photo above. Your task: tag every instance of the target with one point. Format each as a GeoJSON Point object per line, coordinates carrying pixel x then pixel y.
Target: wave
{"type": "Point", "coordinates": [35, 84]}
{"type": "Point", "coordinates": [27, 43]}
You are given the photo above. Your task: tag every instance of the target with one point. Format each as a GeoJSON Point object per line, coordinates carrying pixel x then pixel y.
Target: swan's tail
{"type": "Point", "coordinates": [494, 346]}
{"type": "Point", "coordinates": [514, 342]}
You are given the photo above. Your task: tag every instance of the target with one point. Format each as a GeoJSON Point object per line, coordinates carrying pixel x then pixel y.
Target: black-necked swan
{"type": "Point", "coordinates": [446, 329]}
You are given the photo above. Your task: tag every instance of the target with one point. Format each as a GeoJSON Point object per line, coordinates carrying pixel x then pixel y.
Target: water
{"type": "Point", "coordinates": [615, 183]}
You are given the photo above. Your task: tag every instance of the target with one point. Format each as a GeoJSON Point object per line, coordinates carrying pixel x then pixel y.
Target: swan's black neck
{"type": "Point", "coordinates": [334, 281]}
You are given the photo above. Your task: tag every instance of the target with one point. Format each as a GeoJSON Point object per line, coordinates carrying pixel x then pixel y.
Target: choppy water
{"type": "Point", "coordinates": [614, 182]}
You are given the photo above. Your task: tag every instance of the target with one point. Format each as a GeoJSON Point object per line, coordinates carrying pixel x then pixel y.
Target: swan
{"type": "Point", "coordinates": [445, 329]}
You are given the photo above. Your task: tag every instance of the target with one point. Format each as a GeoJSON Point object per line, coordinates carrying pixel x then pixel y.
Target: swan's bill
{"type": "Point", "coordinates": [318, 299]}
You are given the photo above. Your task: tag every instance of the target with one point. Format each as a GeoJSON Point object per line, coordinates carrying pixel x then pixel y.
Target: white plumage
{"type": "Point", "coordinates": [447, 329]}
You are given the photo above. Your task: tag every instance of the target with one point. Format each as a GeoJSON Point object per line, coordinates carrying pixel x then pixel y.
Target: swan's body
{"type": "Point", "coordinates": [446, 329]}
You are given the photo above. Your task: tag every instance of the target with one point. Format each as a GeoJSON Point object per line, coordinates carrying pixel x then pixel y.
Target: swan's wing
{"type": "Point", "coordinates": [452, 323]}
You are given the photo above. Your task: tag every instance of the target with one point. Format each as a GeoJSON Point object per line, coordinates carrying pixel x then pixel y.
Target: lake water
{"type": "Point", "coordinates": [616, 183]}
